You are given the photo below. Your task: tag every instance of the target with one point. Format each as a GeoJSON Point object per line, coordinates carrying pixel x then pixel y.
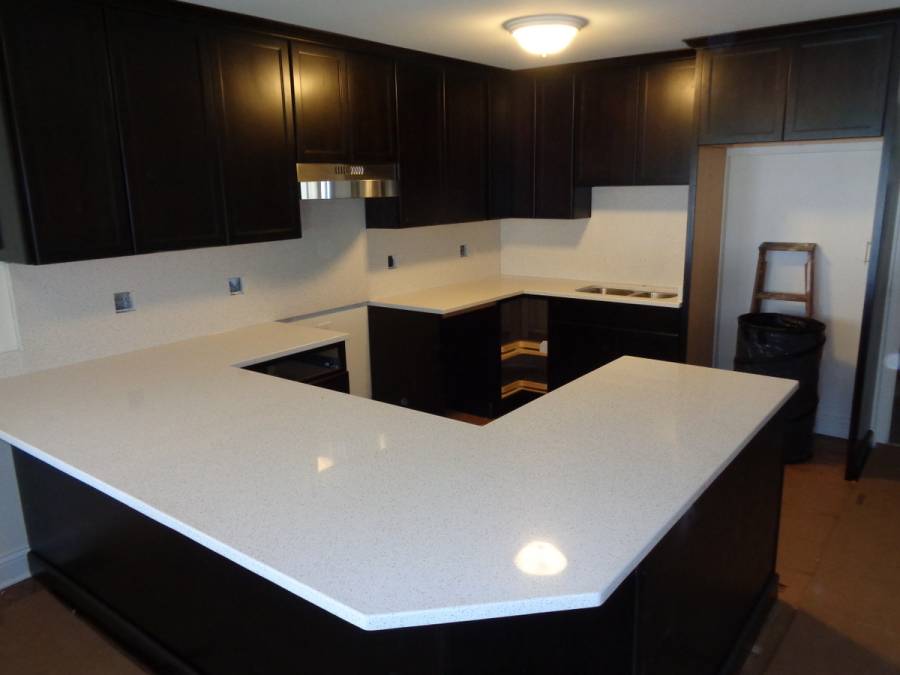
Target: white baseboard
{"type": "Point", "coordinates": [14, 568]}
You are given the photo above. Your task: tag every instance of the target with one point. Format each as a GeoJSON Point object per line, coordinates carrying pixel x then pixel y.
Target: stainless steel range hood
{"type": "Point", "coordinates": [346, 181]}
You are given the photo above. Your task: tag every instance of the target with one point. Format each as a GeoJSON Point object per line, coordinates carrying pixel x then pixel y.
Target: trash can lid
{"type": "Point", "coordinates": [782, 323]}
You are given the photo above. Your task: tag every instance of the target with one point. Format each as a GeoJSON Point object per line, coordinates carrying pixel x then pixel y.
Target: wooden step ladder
{"type": "Point", "coordinates": [759, 292]}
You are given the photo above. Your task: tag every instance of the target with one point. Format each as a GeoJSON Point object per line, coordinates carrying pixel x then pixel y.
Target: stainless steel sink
{"type": "Point", "coordinates": [627, 292]}
{"type": "Point", "coordinates": [655, 295]}
{"type": "Point", "coordinates": [603, 290]}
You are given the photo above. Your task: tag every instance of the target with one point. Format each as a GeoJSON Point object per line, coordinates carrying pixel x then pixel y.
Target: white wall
{"type": "Point", "coordinates": [823, 193]}
{"type": "Point", "coordinates": [429, 256]}
{"type": "Point", "coordinates": [889, 354]}
{"type": "Point", "coordinates": [634, 235]}
{"type": "Point", "coordinates": [9, 335]}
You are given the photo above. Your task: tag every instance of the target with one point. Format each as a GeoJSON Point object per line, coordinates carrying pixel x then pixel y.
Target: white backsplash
{"type": "Point", "coordinates": [634, 235]}
{"type": "Point", "coordinates": [429, 256]}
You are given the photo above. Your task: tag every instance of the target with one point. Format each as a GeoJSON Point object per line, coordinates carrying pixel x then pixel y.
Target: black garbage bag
{"type": "Point", "coordinates": [780, 345]}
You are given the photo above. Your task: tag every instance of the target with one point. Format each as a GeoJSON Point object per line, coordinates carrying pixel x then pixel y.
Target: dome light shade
{"type": "Point", "coordinates": [545, 34]}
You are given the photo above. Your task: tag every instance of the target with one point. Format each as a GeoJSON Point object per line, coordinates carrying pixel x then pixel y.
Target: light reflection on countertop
{"type": "Point", "coordinates": [540, 558]}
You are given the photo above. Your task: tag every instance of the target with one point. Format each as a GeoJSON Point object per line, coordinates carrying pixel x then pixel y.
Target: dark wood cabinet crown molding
{"type": "Point", "coordinates": [793, 29]}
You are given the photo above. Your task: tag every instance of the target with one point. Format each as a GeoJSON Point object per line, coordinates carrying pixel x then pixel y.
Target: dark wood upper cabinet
{"type": "Point", "coordinates": [164, 99]}
{"type": "Point", "coordinates": [512, 146]}
{"type": "Point", "coordinates": [64, 126]}
{"type": "Point", "coordinates": [372, 94]}
{"type": "Point", "coordinates": [742, 93]}
{"type": "Point", "coordinates": [466, 147]}
{"type": "Point", "coordinates": [420, 151]}
{"type": "Point", "coordinates": [606, 125]}
{"type": "Point", "coordinates": [838, 84]}
{"type": "Point", "coordinates": [320, 103]}
{"type": "Point", "coordinates": [555, 195]}
{"type": "Point", "coordinates": [666, 130]}
{"type": "Point", "coordinates": [256, 136]}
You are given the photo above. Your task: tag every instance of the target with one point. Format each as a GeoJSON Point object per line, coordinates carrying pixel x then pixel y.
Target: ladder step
{"type": "Point", "coordinates": [786, 246]}
{"type": "Point", "coordinates": [790, 297]}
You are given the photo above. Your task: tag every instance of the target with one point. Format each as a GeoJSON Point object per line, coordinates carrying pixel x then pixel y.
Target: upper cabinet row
{"type": "Point", "coordinates": [174, 134]}
{"type": "Point", "coordinates": [818, 86]}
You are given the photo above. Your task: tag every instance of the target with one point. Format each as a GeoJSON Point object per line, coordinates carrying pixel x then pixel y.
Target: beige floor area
{"type": "Point", "coordinates": [839, 601]}
{"type": "Point", "coordinates": [839, 566]}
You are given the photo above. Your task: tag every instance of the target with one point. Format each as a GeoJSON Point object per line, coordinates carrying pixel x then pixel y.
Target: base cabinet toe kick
{"type": "Point", "coordinates": [693, 605]}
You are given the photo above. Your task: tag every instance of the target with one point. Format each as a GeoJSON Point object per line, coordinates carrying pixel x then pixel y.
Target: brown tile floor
{"type": "Point", "coordinates": [839, 565]}
{"type": "Point", "coordinates": [839, 601]}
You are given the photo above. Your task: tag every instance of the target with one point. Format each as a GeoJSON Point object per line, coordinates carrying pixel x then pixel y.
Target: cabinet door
{"type": "Point", "coordinates": [65, 131]}
{"type": "Point", "coordinates": [373, 120]}
{"type": "Point", "coordinates": [838, 84]}
{"type": "Point", "coordinates": [606, 126]}
{"type": "Point", "coordinates": [465, 156]}
{"type": "Point", "coordinates": [256, 136]}
{"type": "Point", "coordinates": [666, 124]}
{"type": "Point", "coordinates": [470, 351]}
{"type": "Point", "coordinates": [165, 112]}
{"type": "Point", "coordinates": [405, 354]}
{"type": "Point", "coordinates": [521, 161]}
{"type": "Point", "coordinates": [578, 348]}
{"type": "Point", "coordinates": [320, 103]}
{"type": "Point", "coordinates": [420, 150]}
{"type": "Point", "coordinates": [743, 93]}
{"type": "Point", "coordinates": [554, 146]}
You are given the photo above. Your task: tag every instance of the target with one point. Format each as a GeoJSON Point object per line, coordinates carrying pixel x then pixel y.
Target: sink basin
{"type": "Point", "coordinates": [627, 292]}
{"type": "Point", "coordinates": [655, 295]}
{"type": "Point", "coordinates": [603, 290]}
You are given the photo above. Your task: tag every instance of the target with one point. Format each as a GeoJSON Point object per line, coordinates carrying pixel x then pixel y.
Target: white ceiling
{"type": "Point", "coordinates": [470, 29]}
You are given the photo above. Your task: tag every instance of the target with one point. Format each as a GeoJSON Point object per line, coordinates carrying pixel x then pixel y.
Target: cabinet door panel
{"type": "Point", "coordinates": [64, 122]}
{"type": "Point", "coordinates": [470, 349]}
{"type": "Point", "coordinates": [838, 84]}
{"type": "Point", "coordinates": [606, 126]}
{"type": "Point", "coordinates": [743, 93]}
{"type": "Point", "coordinates": [373, 116]}
{"type": "Point", "coordinates": [420, 149]}
{"type": "Point", "coordinates": [554, 145]}
{"type": "Point", "coordinates": [320, 103]}
{"type": "Point", "coordinates": [465, 105]}
{"type": "Point", "coordinates": [256, 135]}
{"type": "Point", "coordinates": [164, 101]}
{"type": "Point", "coordinates": [578, 348]}
{"type": "Point", "coordinates": [521, 161]}
{"type": "Point", "coordinates": [666, 124]}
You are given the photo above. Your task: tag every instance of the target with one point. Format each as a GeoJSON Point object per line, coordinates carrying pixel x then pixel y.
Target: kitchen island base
{"type": "Point", "coordinates": [692, 605]}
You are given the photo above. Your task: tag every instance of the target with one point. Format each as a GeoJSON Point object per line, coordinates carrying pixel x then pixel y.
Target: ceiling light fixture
{"type": "Point", "coordinates": [545, 34]}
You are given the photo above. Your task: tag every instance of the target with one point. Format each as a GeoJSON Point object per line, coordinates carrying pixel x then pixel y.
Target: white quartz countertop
{"type": "Point", "coordinates": [461, 296]}
{"type": "Point", "coordinates": [385, 516]}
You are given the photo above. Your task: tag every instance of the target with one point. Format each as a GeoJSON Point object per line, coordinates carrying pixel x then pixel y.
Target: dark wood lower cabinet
{"type": "Point", "coordinates": [438, 364]}
{"type": "Point", "coordinates": [585, 335]}
{"type": "Point", "coordinates": [692, 606]}
{"type": "Point", "coordinates": [435, 364]}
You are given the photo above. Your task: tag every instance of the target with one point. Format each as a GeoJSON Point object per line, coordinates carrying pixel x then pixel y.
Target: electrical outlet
{"type": "Point", "coordinates": [123, 302]}
{"type": "Point", "coordinates": [463, 251]}
{"type": "Point", "coordinates": [392, 262]}
{"type": "Point", "coordinates": [235, 286]}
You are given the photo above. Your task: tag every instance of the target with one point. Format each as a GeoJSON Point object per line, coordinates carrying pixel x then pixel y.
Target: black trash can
{"type": "Point", "coordinates": [786, 346]}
